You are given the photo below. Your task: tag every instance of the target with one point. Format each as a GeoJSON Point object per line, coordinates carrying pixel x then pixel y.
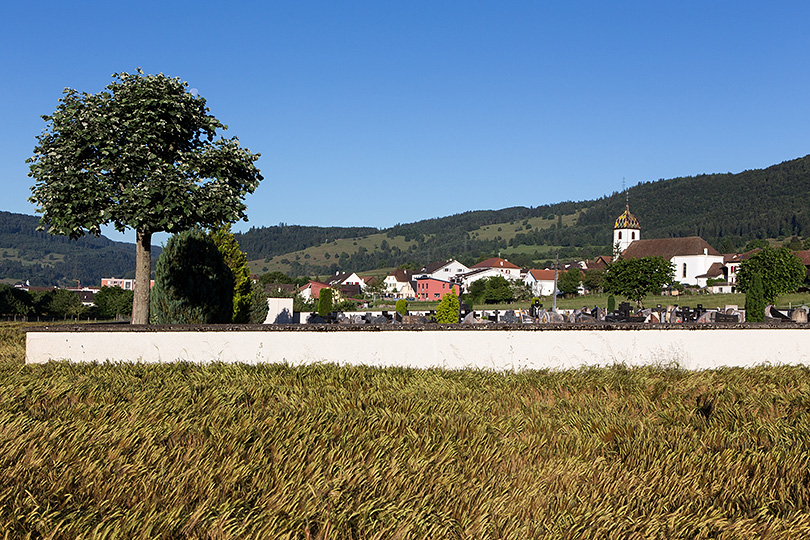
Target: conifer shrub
{"type": "Point", "coordinates": [325, 302]}
{"type": "Point", "coordinates": [236, 259]}
{"type": "Point", "coordinates": [258, 304]}
{"type": "Point", "coordinates": [755, 300]}
{"type": "Point", "coordinates": [611, 304]}
{"type": "Point", "coordinates": [402, 306]}
{"type": "Point", "coordinates": [447, 310]}
{"type": "Point", "coordinates": [193, 284]}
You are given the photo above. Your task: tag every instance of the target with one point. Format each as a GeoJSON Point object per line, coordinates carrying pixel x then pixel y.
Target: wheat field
{"type": "Point", "coordinates": [273, 451]}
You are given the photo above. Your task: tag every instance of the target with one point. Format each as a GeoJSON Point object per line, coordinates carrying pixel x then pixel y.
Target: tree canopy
{"type": "Point", "coordinates": [142, 155]}
{"type": "Point", "coordinates": [780, 269]}
{"type": "Point", "coordinates": [636, 278]}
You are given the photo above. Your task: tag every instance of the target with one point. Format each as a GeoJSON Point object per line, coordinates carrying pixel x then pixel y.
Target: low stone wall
{"type": "Point", "coordinates": [493, 347]}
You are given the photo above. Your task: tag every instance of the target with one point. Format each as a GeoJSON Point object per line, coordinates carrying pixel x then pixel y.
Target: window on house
{"type": "Point", "coordinates": [620, 235]}
{"type": "Point", "coordinates": [632, 235]}
{"type": "Point", "coordinates": [684, 270]}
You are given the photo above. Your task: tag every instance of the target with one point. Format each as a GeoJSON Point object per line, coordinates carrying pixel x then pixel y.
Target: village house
{"type": "Point", "coordinates": [430, 288]}
{"type": "Point", "coordinates": [312, 290]}
{"type": "Point", "coordinates": [442, 270]}
{"type": "Point", "coordinates": [398, 284]}
{"type": "Point", "coordinates": [494, 267]}
{"type": "Point", "coordinates": [346, 278]}
{"type": "Point", "coordinates": [540, 282]}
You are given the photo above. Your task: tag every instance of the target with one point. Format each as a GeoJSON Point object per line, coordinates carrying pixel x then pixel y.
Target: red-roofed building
{"type": "Point", "coordinates": [541, 282]}
{"type": "Point", "coordinates": [504, 267]}
{"type": "Point", "coordinates": [312, 290]}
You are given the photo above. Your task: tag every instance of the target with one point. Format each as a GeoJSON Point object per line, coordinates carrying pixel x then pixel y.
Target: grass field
{"type": "Point", "coordinates": [229, 451]}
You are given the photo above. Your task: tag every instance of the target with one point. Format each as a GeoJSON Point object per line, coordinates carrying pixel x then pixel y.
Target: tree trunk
{"type": "Point", "coordinates": [143, 275]}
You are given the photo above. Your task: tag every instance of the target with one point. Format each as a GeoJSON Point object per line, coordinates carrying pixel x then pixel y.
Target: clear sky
{"type": "Point", "coordinates": [372, 113]}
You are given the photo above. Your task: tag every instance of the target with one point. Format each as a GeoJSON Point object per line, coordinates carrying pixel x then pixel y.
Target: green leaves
{"type": "Point", "coordinates": [781, 272]}
{"type": "Point", "coordinates": [636, 278]}
{"type": "Point", "coordinates": [139, 155]}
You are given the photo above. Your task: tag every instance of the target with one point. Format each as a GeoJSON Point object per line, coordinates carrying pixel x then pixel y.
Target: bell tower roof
{"type": "Point", "coordinates": [627, 220]}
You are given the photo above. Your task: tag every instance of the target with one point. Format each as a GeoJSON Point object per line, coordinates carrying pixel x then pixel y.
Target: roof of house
{"type": "Point", "coordinates": [804, 256]}
{"type": "Point", "coordinates": [599, 263]}
{"type": "Point", "coordinates": [714, 271]}
{"type": "Point", "coordinates": [338, 279]}
{"type": "Point", "coordinates": [432, 267]}
{"type": "Point", "coordinates": [496, 262]}
{"type": "Point", "coordinates": [739, 257]}
{"type": "Point", "coordinates": [669, 247]}
{"type": "Point", "coordinates": [542, 275]}
{"type": "Point", "coordinates": [402, 275]}
{"type": "Point", "coordinates": [314, 285]}
{"type": "Point", "coordinates": [627, 220]}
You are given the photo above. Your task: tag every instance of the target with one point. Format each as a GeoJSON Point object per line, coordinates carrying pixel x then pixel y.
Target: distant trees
{"type": "Point", "coordinates": [780, 270]}
{"type": "Point", "coordinates": [61, 303]}
{"type": "Point", "coordinates": [593, 279]}
{"type": "Point", "coordinates": [15, 302]}
{"type": "Point", "coordinates": [636, 278]}
{"type": "Point", "coordinates": [568, 282]}
{"type": "Point", "coordinates": [491, 290]}
{"type": "Point", "coordinates": [113, 302]}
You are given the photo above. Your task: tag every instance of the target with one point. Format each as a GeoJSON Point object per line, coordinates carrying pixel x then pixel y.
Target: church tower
{"type": "Point", "coordinates": [625, 231]}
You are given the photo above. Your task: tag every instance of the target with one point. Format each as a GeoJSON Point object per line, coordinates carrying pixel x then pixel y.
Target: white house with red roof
{"type": "Point", "coordinates": [494, 267]}
{"type": "Point", "coordinates": [312, 290]}
{"type": "Point", "coordinates": [541, 282]}
{"type": "Point", "coordinates": [504, 267]}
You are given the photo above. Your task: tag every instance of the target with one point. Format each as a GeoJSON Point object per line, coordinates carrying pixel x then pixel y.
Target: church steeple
{"type": "Point", "coordinates": [625, 231]}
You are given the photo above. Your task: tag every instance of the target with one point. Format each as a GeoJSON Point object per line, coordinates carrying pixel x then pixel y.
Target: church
{"type": "Point", "coordinates": [692, 256]}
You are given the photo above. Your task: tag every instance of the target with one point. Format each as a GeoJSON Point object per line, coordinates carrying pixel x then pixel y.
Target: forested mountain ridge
{"type": "Point", "coordinates": [727, 210]}
{"type": "Point", "coordinates": [44, 259]}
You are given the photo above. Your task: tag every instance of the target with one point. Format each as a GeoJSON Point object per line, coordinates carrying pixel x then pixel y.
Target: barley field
{"type": "Point", "coordinates": [272, 451]}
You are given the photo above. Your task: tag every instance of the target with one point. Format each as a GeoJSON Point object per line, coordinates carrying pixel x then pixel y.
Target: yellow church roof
{"type": "Point", "coordinates": [627, 220]}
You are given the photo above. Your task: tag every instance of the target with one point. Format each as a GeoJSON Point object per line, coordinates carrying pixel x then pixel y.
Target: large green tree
{"type": "Point", "coordinates": [636, 278]}
{"type": "Point", "coordinates": [143, 154]}
{"type": "Point", "coordinates": [780, 269]}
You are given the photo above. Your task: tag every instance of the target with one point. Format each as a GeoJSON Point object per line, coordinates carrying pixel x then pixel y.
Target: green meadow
{"type": "Point", "coordinates": [272, 451]}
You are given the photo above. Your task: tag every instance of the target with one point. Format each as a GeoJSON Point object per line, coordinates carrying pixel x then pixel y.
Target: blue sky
{"type": "Point", "coordinates": [377, 113]}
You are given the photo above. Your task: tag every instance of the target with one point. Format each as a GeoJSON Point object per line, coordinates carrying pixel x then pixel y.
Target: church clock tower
{"type": "Point", "coordinates": [625, 231]}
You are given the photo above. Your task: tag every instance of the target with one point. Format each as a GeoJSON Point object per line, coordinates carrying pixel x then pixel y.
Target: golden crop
{"type": "Point", "coordinates": [273, 451]}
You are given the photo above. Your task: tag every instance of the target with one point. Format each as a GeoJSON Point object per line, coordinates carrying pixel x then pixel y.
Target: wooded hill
{"type": "Point", "coordinates": [45, 260]}
{"type": "Point", "coordinates": [727, 210]}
